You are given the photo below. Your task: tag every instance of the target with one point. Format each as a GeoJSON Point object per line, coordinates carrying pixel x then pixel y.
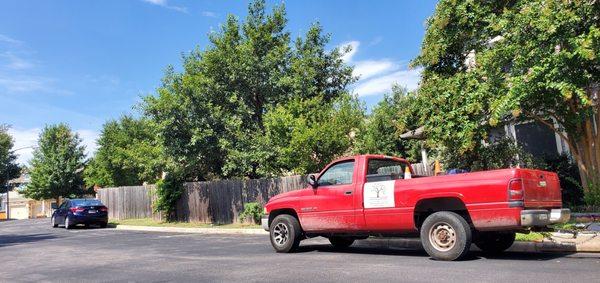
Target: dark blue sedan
{"type": "Point", "coordinates": [80, 211]}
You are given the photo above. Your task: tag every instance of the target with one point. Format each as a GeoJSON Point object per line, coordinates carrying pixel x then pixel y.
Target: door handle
{"type": "Point", "coordinates": [348, 192]}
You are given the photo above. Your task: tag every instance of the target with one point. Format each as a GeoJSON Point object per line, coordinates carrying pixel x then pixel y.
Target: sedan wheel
{"type": "Point", "coordinates": [53, 220]}
{"type": "Point", "coordinates": [68, 224]}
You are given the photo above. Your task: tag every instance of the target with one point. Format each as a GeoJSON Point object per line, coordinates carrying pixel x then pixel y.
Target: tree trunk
{"type": "Point", "coordinates": [587, 153]}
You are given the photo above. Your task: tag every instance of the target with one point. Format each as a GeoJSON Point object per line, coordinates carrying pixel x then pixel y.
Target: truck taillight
{"type": "Point", "coordinates": [515, 190]}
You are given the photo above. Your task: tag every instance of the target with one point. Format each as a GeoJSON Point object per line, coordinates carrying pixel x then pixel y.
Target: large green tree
{"type": "Point", "coordinates": [57, 164]}
{"type": "Point", "coordinates": [488, 61]}
{"type": "Point", "coordinates": [210, 117]}
{"type": "Point", "coordinates": [128, 154]}
{"type": "Point", "coordinates": [303, 135]}
{"type": "Point", "coordinates": [397, 113]}
{"type": "Point", "coordinates": [9, 168]}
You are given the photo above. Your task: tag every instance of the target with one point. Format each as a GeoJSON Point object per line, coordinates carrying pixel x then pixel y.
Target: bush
{"type": "Point", "coordinates": [253, 210]}
{"type": "Point", "coordinates": [168, 192]}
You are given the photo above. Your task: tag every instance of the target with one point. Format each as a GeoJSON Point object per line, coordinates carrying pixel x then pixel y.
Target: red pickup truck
{"type": "Point", "coordinates": [372, 195]}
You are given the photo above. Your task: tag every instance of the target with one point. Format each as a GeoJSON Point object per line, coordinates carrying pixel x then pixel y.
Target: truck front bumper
{"type": "Point", "coordinates": [543, 217]}
{"type": "Point", "coordinates": [264, 222]}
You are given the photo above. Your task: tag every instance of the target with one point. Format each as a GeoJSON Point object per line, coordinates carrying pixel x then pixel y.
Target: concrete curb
{"type": "Point", "coordinates": [193, 230]}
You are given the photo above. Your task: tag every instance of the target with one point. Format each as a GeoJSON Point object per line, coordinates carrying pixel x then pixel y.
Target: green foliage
{"type": "Point", "coordinates": [306, 134]}
{"type": "Point", "coordinates": [128, 154]}
{"type": "Point", "coordinates": [57, 164]}
{"type": "Point", "coordinates": [592, 196]}
{"type": "Point", "coordinates": [542, 65]}
{"type": "Point", "coordinates": [9, 168]}
{"type": "Point", "coordinates": [253, 210]}
{"type": "Point", "coordinates": [394, 115]}
{"type": "Point", "coordinates": [211, 117]}
{"type": "Point", "coordinates": [502, 153]}
{"type": "Point", "coordinates": [168, 191]}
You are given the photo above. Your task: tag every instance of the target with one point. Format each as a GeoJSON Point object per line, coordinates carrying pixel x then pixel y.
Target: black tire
{"type": "Point", "coordinates": [341, 242]}
{"type": "Point", "coordinates": [103, 225]}
{"type": "Point", "coordinates": [54, 224]}
{"type": "Point", "coordinates": [285, 233]}
{"type": "Point", "coordinates": [68, 223]}
{"type": "Point", "coordinates": [494, 242]}
{"type": "Point", "coordinates": [446, 235]}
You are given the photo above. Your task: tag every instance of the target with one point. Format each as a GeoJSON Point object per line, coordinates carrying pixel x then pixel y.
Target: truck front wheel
{"type": "Point", "coordinates": [446, 235]}
{"type": "Point", "coordinates": [341, 242]}
{"type": "Point", "coordinates": [494, 242]}
{"type": "Point", "coordinates": [285, 233]}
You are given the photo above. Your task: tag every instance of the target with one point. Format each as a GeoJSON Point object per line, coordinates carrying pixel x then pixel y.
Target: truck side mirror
{"type": "Point", "coordinates": [312, 181]}
{"type": "Point", "coordinates": [54, 205]}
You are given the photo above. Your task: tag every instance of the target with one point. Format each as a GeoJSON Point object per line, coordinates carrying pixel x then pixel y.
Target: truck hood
{"type": "Point", "coordinates": [291, 194]}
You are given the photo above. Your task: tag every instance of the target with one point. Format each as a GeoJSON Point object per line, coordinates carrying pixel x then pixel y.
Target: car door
{"type": "Point", "coordinates": [61, 212]}
{"type": "Point", "coordinates": [331, 207]}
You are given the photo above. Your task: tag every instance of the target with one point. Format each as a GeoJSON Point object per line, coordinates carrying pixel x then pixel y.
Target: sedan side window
{"type": "Point", "coordinates": [338, 174]}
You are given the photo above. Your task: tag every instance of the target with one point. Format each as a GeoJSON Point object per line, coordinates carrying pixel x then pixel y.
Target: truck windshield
{"type": "Point", "coordinates": [385, 170]}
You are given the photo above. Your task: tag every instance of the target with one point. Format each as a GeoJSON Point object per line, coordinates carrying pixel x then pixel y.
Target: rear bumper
{"type": "Point", "coordinates": [543, 217]}
{"type": "Point", "coordinates": [86, 219]}
{"type": "Point", "coordinates": [264, 222]}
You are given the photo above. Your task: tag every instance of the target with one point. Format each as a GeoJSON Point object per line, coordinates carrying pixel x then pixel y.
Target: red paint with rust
{"type": "Point", "coordinates": [485, 196]}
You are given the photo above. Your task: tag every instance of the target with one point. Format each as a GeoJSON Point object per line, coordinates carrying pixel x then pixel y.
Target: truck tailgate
{"type": "Point", "coordinates": [541, 189]}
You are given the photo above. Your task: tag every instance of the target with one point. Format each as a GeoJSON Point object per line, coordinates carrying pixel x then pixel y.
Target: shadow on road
{"type": "Point", "coordinates": [473, 255]}
{"type": "Point", "coordinates": [11, 239]}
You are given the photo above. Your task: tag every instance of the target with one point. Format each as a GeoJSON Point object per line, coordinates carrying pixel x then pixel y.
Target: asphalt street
{"type": "Point", "coordinates": [33, 251]}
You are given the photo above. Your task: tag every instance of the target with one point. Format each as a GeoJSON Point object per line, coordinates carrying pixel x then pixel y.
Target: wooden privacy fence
{"type": "Point", "coordinates": [207, 202]}
{"type": "Point", "coordinates": [129, 202]}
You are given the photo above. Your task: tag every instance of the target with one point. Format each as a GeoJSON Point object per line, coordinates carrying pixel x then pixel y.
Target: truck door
{"type": "Point", "coordinates": [384, 208]}
{"type": "Point", "coordinates": [331, 206]}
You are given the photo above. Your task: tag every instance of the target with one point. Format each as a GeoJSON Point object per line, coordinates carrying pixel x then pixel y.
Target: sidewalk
{"type": "Point", "coordinates": [559, 242]}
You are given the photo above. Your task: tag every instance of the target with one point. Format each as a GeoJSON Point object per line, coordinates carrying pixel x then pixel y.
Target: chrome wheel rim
{"type": "Point", "coordinates": [281, 234]}
{"type": "Point", "coordinates": [442, 237]}
{"type": "Point", "coordinates": [66, 222]}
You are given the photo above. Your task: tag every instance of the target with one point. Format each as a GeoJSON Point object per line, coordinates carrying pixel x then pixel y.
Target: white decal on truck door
{"type": "Point", "coordinates": [379, 194]}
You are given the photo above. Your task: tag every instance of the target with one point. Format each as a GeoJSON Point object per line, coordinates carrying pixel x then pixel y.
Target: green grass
{"type": "Point", "coordinates": [531, 237]}
{"type": "Point", "coordinates": [155, 223]}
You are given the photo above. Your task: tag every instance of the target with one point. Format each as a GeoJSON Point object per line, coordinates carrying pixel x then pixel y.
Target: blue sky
{"type": "Point", "coordinates": [84, 62]}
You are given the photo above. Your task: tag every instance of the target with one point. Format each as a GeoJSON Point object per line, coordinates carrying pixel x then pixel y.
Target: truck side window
{"type": "Point", "coordinates": [338, 174]}
{"type": "Point", "coordinates": [384, 170]}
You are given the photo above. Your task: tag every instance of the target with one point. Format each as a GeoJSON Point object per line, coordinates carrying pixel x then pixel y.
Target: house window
{"type": "Point", "coordinates": [537, 139]}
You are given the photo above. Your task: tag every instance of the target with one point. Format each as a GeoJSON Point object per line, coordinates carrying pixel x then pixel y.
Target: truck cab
{"type": "Point", "coordinates": [374, 195]}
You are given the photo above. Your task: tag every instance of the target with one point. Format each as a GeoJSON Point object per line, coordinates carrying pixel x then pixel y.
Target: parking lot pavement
{"type": "Point", "coordinates": [30, 250]}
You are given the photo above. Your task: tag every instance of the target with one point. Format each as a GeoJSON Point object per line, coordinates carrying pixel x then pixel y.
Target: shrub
{"type": "Point", "coordinates": [253, 210]}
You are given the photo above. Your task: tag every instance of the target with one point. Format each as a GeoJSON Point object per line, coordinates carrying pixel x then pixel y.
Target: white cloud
{"type": "Point", "coordinates": [7, 39]}
{"type": "Point", "coordinates": [165, 4]}
{"type": "Point", "coordinates": [209, 14]}
{"type": "Point", "coordinates": [27, 138]}
{"type": "Point", "coordinates": [368, 68]}
{"type": "Point", "coordinates": [15, 62]}
{"type": "Point", "coordinates": [382, 84]}
{"type": "Point", "coordinates": [377, 76]}
{"type": "Point", "coordinates": [347, 57]}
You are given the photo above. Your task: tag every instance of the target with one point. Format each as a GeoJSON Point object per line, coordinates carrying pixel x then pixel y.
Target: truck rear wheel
{"type": "Point", "coordinates": [494, 242]}
{"type": "Point", "coordinates": [341, 242]}
{"type": "Point", "coordinates": [446, 235]}
{"type": "Point", "coordinates": [285, 233]}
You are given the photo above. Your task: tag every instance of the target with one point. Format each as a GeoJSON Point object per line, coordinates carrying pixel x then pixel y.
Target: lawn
{"type": "Point", "coordinates": [156, 223]}
{"type": "Point", "coordinates": [531, 237]}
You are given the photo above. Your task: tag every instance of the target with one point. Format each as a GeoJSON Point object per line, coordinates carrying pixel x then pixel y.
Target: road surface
{"type": "Point", "coordinates": [32, 251]}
